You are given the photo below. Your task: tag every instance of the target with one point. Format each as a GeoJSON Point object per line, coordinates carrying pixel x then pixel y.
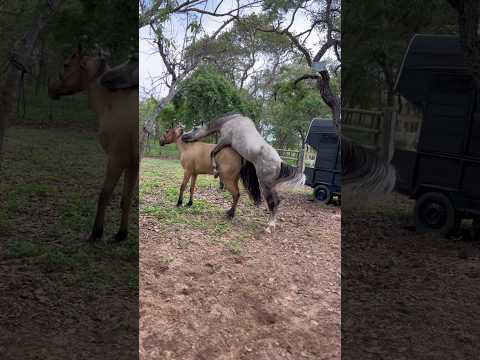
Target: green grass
{"type": "Point", "coordinates": [159, 188]}
{"type": "Point", "coordinates": [49, 187]}
{"type": "Point", "coordinates": [159, 184]}
{"type": "Point", "coordinates": [168, 151]}
{"type": "Point", "coordinates": [69, 111]}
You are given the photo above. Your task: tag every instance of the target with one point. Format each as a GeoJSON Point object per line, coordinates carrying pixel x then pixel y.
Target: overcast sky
{"type": "Point", "coordinates": [151, 64]}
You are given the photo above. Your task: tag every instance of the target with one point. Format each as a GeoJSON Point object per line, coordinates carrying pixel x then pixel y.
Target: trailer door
{"type": "Point", "coordinates": [474, 147]}
{"type": "Point", "coordinates": [447, 114]}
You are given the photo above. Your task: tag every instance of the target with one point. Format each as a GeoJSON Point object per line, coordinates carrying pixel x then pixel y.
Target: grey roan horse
{"type": "Point", "coordinates": [240, 133]}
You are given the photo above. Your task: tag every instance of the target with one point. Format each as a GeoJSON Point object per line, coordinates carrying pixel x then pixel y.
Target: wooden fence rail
{"type": "Point", "coordinates": [373, 129]}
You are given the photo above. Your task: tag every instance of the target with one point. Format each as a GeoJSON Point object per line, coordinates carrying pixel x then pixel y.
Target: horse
{"type": "Point", "coordinates": [195, 160]}
{"type": "Point", "coordinates": [116, 109]}
{"type": "Point", "coordinates": [240, 133]}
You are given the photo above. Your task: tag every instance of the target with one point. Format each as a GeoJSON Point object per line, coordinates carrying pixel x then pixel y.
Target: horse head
{"type": "Point", "coordinates": [79, 71]}
{"type": "Point", "coordinates": [171, 135]}
{"type": "Point", "coordinates": [197, 133]}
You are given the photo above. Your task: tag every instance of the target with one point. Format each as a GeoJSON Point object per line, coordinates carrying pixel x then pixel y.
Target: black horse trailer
{"type": "Point", "coordinates": [443, 174]}
{"type": "Point", "coordinates": [325, 176]}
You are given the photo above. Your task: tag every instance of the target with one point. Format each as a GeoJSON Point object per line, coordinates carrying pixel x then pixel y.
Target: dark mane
{"type": "Point", "coordinates": [222, 119]}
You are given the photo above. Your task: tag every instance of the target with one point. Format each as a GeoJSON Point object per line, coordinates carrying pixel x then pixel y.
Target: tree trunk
{"type": "Point", "coordinates": [150, 124]}
{"type": "Point", "coordinates": [21, 56]}
{"type": "Point", "coordinates": [468, 24]}
{"type": "Point", "coordinates": [332, 101]}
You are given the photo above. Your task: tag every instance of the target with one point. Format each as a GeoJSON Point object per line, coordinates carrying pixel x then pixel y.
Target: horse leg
{"type": "Point", "coordinates": [130, 180]}
{"type": "Point", "coordinates": [273, 200]}
{"type": "Point", "coordinates": [219, 147]}
{"type": "Point", "coordinates": [186, 177]}
{"type": "Point", "coordinates": [114, 171]}
{"type": "Point", "coordinates": [192, 189]}
{"type": "Point", "coordinates": [232, 187]}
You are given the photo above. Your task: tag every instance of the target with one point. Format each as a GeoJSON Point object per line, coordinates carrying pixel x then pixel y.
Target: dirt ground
{"type": "Point", "coordinates": [406, 295]}
{"type": "Point", "coordinates": [61, 298]}
{"type": "Point", "coordinates": [237, 292]}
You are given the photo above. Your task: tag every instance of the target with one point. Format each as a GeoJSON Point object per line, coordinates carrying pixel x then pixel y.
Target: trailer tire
{"type": "Point", "coordinates": [434, 212]}
{"type": "Point", "coordinates": [322, 194]}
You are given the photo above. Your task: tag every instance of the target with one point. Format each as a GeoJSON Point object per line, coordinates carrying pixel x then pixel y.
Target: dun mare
{"type": "Point", "coordinates": [116, 108]}
{"type": "Point", "coordinates": [240, 133]}
{"type": "Point", "coordinates": [195, 160]}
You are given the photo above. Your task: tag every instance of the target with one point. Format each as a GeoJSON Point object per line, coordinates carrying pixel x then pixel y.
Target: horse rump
{"type": "Point", "coordinates": [248, 174]}
{"type": "Point", "coordinates": [290, 175]}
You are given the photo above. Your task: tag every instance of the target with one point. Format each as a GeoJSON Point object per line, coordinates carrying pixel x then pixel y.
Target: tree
{"type": "Point", "coordinates": [207, 94]}
{"type": "Point", "coordinates": [157, 15]}
{"type": "Point", "coordinates": [289, 112]}
{"type": "Point", "coordinates": [374, 40]}
{"type": "Point", "coordinates": [324, 16]}
{"type": "Point", "coordinates": [468, 12]}
{"type": "Point", "coordinates": [20, 61]}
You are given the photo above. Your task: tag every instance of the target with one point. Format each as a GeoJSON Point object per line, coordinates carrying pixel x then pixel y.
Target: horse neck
{"type": "Point", "coordinates": [97, 97]}
{"type": "Point", "coordinates": [181, 146]}
{"type": "Point", "coordinates": [97, 94]}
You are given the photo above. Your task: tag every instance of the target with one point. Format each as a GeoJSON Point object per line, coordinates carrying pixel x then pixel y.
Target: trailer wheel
{"type": "Point", "coordinates": [434, 212]}
{"type": "Point", "coordinates": [322, 194]}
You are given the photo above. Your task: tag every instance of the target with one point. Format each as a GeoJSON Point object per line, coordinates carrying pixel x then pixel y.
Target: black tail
{"type": "Point", "coordinates": [250, 181]}
{"type": "Point", "coordinates": [290, 175]}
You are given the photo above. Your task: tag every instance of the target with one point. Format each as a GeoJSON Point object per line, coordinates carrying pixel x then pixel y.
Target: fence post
{"type": "Point", "coordinates": [388, 133]}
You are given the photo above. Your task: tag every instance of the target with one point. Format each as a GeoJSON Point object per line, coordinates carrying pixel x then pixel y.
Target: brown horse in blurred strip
{"type": "Point", "coordinates": [115, 103]}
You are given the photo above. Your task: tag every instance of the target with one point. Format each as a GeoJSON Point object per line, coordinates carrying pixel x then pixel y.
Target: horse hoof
{"type": "Point", "coordinates": [230, 214]}
{"type": "Point", "coordinates": [95, 236]}
{"type": "Point", "coordinates": [179, 204]}
{"type": "Point", "coordinates": [189, 203]}
{"type": "Point", "coordinates": [93, 239]}
{"type": "Point", "coordinates": [120, 236]}
{"type": "Point", "coordinates": [270, 229]}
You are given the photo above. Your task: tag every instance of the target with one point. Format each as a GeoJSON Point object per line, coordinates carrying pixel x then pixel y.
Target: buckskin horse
{"type": "Point", "coordinates": [115, 103]}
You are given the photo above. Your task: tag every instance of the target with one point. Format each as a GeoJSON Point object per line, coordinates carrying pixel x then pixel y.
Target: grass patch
{"type": "Point", "coordinates": [23, 249]}
{"type": "Point", "coordinates": [159, 189]}
{"type": "Point", "coordinates": [51, 179]}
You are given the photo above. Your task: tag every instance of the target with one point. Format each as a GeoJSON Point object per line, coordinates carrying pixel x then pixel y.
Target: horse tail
{"type": "Point", "coordinates": [364, 171]}
{"type": "Point", "coordinates": [290, 175]}
{"type": "Point", "coordinates": [366, 178]}
{"type": "Point", "coordinates": [250, 181]}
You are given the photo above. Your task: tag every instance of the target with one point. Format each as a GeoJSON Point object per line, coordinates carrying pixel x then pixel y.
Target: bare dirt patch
{"type": "Point", "coordinates": [407, 295]}
{"type": "Point", "coordinates": [227, 290]}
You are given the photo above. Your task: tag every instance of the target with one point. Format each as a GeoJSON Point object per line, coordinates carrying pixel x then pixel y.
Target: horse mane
{"type": "Point", "coordinates": [222, 119]}
{"type": "Point", "coordinates": [123, 76]}
{"type": "Point", "coordinates": [363, 171]}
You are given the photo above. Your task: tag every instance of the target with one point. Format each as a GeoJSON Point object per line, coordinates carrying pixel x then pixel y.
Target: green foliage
{"type": "Point", "coordinates": [208, 94]}
{"type": "Point", "coordinates": [111, 24]}
{"type": "Point", "coordinates": [375, 38]}
{"type": "Point", "coordinates": [290, 111]}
